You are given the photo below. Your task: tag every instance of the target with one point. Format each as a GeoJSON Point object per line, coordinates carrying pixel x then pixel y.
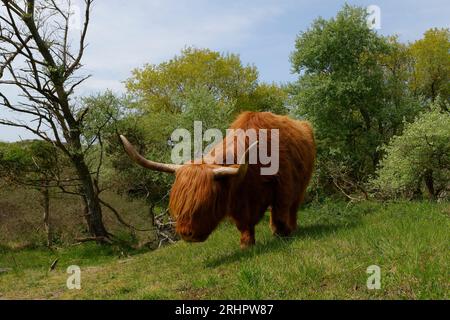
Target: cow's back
{"type": "Point", "coordinates": [297, 150]}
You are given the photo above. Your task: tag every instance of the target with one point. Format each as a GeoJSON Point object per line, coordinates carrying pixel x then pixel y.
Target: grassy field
{"type": "Point", "coordinates": [326, 259]}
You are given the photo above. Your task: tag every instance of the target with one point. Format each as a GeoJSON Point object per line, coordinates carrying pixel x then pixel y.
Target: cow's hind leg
{"type": "Point", "coordinates": [293, 215]}
{"type": "Point", "coordinates": [280, 222]}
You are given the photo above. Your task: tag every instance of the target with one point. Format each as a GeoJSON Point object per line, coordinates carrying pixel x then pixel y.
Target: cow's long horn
{"type": "Point", "coordinates": [139, 159]}
{"type": "Point", "coordinates": [240, 171]}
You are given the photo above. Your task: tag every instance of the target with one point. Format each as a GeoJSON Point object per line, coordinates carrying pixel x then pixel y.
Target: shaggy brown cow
{"type": "Point", "coordinates": [203, 194]}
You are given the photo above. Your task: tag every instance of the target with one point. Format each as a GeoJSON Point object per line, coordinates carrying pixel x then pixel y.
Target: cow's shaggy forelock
{"type": "Point", "coordinates": [194, 199]}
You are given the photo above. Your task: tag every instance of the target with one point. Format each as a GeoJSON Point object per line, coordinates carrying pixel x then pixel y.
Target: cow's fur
{"type": "Point", "coordinates": [199, 202]}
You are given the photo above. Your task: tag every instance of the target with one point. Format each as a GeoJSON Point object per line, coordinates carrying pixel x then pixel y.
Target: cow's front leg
{"type": "Point", "coordinates": [247, 237]}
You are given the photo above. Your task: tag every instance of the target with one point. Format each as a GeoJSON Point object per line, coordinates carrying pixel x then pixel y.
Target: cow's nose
{"type": "Point", "coordinates": [186, 234]}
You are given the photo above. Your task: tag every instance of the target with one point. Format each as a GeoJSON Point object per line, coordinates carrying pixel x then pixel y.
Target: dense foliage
{"type": "Point", "coordinates": [431, 68]}
{"type": "Point", "coordinates": [165, 87]}
{"type": "Point", "coordinates": [418, 158]}
{"type": "Point", "coordinates": [358, 88]}
{"type": "Point", "coordinates": [28, 162]}
{"type": "Point", "coordinates": [350, 87]}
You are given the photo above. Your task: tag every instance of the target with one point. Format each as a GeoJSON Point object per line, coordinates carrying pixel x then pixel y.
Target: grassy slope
{"type": "Point", "coordinates": [326, 258]}
{"type": "Point", "coordinates": [21, 217]}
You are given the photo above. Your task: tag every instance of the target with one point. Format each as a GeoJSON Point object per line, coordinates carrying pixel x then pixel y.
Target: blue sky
{"type": "Point", "coordinates": [126, 34]}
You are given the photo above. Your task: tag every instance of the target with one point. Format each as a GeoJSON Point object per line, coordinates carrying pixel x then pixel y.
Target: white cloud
{"type": "Point", "coordinates": [125, 36]}
{"type": "Point", "coordinates": [96, 84]}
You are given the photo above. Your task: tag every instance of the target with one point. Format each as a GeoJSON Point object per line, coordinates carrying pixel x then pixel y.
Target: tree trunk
{"type": "Point", "coordinates": [93, 209]}
{"type": "Point", "coordinates": [429, 182]}
{"type": "Point", "coordinates": [417, 194]}
{"type": "Point", "coordinates": [45, 202]}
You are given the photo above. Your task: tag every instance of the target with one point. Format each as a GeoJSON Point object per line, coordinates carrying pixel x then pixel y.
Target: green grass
{"type": "Point", "coordinates": [327, 258]}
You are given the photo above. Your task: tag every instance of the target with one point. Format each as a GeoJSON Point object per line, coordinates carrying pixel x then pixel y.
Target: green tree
{"type": "Point", "coordinates": [200, 105]}
{"type": "Point", "coordinates": [431, 69]}
{"type": "Point", "coordinates": [224, 76]}
{"type": "Point", "coordinates": [419, 157]}
{"type": "Point", "coordinates": [165, 86]}
{"type": "Point", "coordinates": [347, 90]}
{"type": "Point", "coordinates": [266, 97]}
{"type": "Point", "coordinates": [399, 102]}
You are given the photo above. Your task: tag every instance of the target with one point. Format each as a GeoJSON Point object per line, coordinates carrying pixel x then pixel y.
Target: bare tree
{"type": "Point", "coordinates": [38, 58]}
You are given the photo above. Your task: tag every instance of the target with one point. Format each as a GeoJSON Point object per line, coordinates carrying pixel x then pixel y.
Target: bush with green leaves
{"type": "Point", "coordinates": [29, 161]}
{"type": "Point", "coordinates": [418, 159]}
{"type": "Point", "coordinates": [200, 105]}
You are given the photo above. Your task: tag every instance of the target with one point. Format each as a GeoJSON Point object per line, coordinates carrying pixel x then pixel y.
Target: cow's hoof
{"type": "Point", "coordinates": [280, 229]}
{"type": "Point", "coordinates": [281, 232]}
{"type": "Point", "coordinates": [246, 245]}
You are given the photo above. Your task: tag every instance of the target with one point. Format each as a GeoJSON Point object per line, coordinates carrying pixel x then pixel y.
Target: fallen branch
{"type": "Point", "coordinates": [120, 219]}
{"type": "Point", "coordinates": [53, 265]}
{"type": "Point", "coordinates": [344, 193]}
{"type": "Point", "coordinates": [88, 239]}
{"type": "Point", "coordinates": [165, 230]}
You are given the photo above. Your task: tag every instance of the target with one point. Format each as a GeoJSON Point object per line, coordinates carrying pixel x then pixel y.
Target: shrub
{"type": "Point", "coordinates": [418, 158]}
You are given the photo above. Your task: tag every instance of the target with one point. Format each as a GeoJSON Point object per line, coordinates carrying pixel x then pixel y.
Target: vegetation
{"type": "Point", "coordinates": [327, 258]}
{"type": "Point", "coordinates": [431, 73]}
{"type": "Point", "coordinates": [37, 35]}
{"type": "Point", "coordinates": [197, 85]}
{"type": "Point", "coordinates": [22, 224]}
{"type": "Point", "coordinates": [381, 116]}
{"type": "Point", "coordinates": [421, 155]}
{"type": "Point", "coordinates": [346, 88]}
{"type": "Point", "coordinates": [35, 165]}
{"type": "Point", "coordinates": [165, 87]}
